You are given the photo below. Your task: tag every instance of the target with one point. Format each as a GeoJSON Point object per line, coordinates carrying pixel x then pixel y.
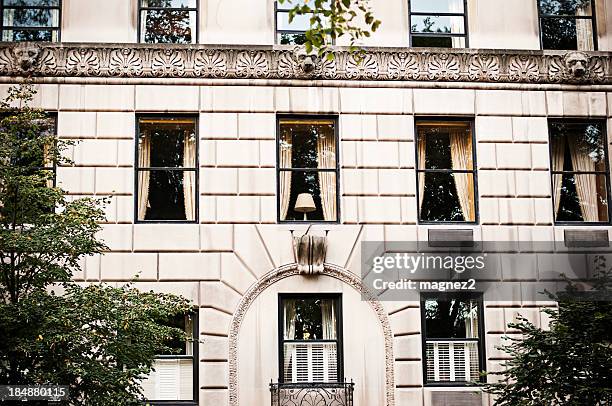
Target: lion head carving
{"type": "Point", "coordinates": [307, 60]}
{"type": "Point", "coordinates": [577, 63]}
{"type": "Point", "coordinates": [26, 56]}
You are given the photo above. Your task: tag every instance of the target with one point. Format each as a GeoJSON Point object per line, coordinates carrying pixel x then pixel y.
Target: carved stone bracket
{"type": "Point", "coordinates": [281, 62]}
{"type": "Point", "coordinates": [310, 252]}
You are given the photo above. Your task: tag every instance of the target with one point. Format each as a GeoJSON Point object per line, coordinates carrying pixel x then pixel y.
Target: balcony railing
{"type": "Point", "coordinates": [312, 394]}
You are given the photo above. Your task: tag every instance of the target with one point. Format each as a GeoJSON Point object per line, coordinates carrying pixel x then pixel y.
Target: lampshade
{"type": "Point", "coordinates": [305, 203]}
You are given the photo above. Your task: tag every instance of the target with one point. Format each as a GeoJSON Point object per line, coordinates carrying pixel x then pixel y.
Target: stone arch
{"type": "Point", "coordinates": [286, 271]}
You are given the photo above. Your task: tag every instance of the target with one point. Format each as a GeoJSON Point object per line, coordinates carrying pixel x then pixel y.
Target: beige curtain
{"type": "Point", "coordinates": [421, 150]}
{"type": "Point", "coordinates": [558, 161]}
{"type": "Point", "coordinates": [461, 150]}
{"type": "Point", "coordinates": [584, 29]}
{"type": "Point", "coordinates": [456, 6]}
{"type": "Point", "coordinates": [328, 319]}
{"type": "Point", "coordinates": [189, 177]}
{"type": "Point", "coordinates": [586, 185]}
{"type": "Point", "coordinates": [144, 161]}
{"type": "Point", "coordinates": [289, 335]}
{"type": "Point", "coordinates": [285, 176]}
{"type": "Point", "coordinates": [326, 157]}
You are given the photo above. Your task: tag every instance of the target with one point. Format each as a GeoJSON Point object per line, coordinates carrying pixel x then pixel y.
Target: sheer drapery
{"type": "Point", "coordinates": [328, 319]}
{"type": "Point", "coordinates": [471, 321]}
{"type": "Point", "coordinates": [289, 330]}
{"type": "Point", "coordinates": [586, 184]}
{"type": "Point", "coordinates": [456, 24]}
{"type": "Point", "coordinates": [189, 182]}
{"type": "Point", "coordinates": [558, 161]}
{"type": "Point", "coordinates": [584, 28]}
{"type": "Point", "coordinates": [326, 158]}
{"type": "Point", "coordinates": [144, 161]}
{"type": "Point", "coordinates": [461, 150]}
{"type": "Point", "coordinates": [422, 149]}
{"type": "Point", "coordinates": [285, 154]}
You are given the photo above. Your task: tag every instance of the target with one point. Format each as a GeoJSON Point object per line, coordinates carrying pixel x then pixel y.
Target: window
{"type": "Point", "coordinates": [310, 338]}
{"type": "Point", "coordinates": [446, 174]}
{"type": "Point", "coordinates": [168, 21]}
{"type": "Point", "coordinates": [31, 20]}
{"type": "Point", "coordinates": [567, 24]}
{"type": "Point", "coordinates": [294, 32]}
{"type": "Point", "coordinates": [308, 170]}
{"type": "Point", "coordinates": [438, 23]}
{"type": "Point", "coordinates": [166, 169]}
{"type": "Point", "coordinates": [175, 373]}
{"type": "Point", "coordinates": [579, 171]}
{"type": "Point", "coordinates": [452, 338]}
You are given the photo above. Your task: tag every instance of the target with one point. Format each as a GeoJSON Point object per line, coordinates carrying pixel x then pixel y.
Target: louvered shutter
{"type": "Point", "coordinates": [452, 361]}
{"type": "Point", "coordinates": [171, 380]}
{"type": "Point", "coordinates": [311, 362]}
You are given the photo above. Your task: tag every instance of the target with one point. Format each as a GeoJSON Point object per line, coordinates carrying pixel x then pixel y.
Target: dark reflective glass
{"type": "Point", "coordinates": [167, 142]}
{"type": "Point", "coordinates": [183, 323]}
{"type": "Point", "coordinates": [30, 35]}
{"type": "Point", "coordinates": [168, 26]}
{"type": "Point", "coordinates": [580, 139]}
{"type": "Point", "coordinates": [440, 200]}
{"type": "Point", "coordinates": [308, 318]}
{"type": "Point", "coordinates": [166, 195]}
{"type": "Point", "coordinates": [437, 41]}
{"type": "Point", "coordinates": [559, 33]}
{"type": "Point", "coordinates": [576, 204]}
{"type": "Point", "coordinates": [451, 318]}
{"type": "Point", "coordinates": [286, 38]}
{"type": "Point", "coordinates": [308, 182]}
{"type": "Point", "coordinates": [31, 17]}
{"type": "Point", "coordinates": [437, 24]}
{"type": "Point", "coordinates": [438, 151]}
{"type": "Point", "coordinates": [170, 3]}
{"type": "Point", "coordinates": [32, 3]}
{"type": "Point", "coordinates": [302, 138]}
{"type": "Point", "coordinates": [565, 7]}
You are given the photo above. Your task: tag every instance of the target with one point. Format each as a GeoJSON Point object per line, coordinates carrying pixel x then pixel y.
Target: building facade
{"type": "Point", "coordinates": [220, 141]}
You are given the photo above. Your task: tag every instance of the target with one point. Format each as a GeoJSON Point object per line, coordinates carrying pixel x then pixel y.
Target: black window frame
{"type": "Point", "coordinates": [585, 120]}
{"type": "Point", "coordinates": [334, 118]}
{"type": "Point", "coordinates": [482, 359]}
{"type": "Point", "coordinates": [337, 298]}
{"type": "Point", "coordinates": [473, 171]}
{"type": "Point", "coordinates": [58, 29]}
{"type": "Point", "coordinates": [464, 15]}
{"type": "Point", "coordinates": [196, 370]}
{"type": "Point", "coordinates": [592, 17]}
{"type": "Point", "coordinates": [188, 9]}
{"type": "Point", "coordinates": [196, 169]}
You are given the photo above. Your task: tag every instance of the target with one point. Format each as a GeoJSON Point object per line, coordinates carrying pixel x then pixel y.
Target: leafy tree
{"type": "Point", "coordinates": [570, 364]}
{"type": "Point", "coordinates": [98, 340]}
{"type": "Point", "coordinates": [332, 19]}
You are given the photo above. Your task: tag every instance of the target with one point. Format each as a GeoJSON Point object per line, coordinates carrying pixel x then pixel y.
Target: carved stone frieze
{"type": "Point", "coordinates": [279, 62]}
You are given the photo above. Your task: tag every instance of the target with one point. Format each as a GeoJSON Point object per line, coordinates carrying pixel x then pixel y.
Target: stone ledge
{"type": "Point", "coordinates": [283, 62]}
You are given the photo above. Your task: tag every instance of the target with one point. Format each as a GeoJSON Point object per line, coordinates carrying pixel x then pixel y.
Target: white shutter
{"type": "Point", "coordinates": [452, 361]}
{"type": "Point", "coordinates": [310, 362]}
{"type": "Point", "coordinates": [171, 380]}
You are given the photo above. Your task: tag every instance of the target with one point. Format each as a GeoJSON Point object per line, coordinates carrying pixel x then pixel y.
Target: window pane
{"type": "Point", "coordinates": [447, 197]}
{"type": "Point", "coordinates": [31, 17]}
{"type": "Point", "coordinates": [307, 144]}
{"type": "Point", "coordinates": [302, 185]}
{"type": "Point", "coordinates": [582, 198]}
{"type": "Point", "coordinates": [577, 147]}
{"type": "Point", "coordinates": [437, 41]}
{"type": "Point", "coordinates": [435, 24]}
{"type": "Point", "coordinates": [451, 318]}
{"type": "Point", "coordinates": [567, 33]}
{"type": "Point", "coordinates": [299, 23]}
{"type": "Point", "coordinates": [309, 319]}
{"type": "Point", "coordinates": [436, 6]}
{"type": "Point", "coordinates": [164, 199]}
{"type": "Point", "coordinates": [30, 35]}
{"type": "Point", "coordinates": [167, 143]}
{"type": "Point", "coordinates": [566, 7]}
{"type": "Point", "coordinates": [170, 3]}
{"type": "Point", "coordinates": [32, 3]}
{"type": "Point", "coordinates": [168, 26]}
{"type": "Point", "coordinates": [445, 146]}
{"type": "Point", "coordinates": [291, 39]}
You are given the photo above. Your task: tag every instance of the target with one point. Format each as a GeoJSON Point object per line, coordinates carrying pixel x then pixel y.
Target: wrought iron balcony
{"type": "Point", "coordinates": [312, 394]}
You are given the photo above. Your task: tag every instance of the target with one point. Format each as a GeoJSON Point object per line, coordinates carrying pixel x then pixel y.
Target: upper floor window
{"type": "Point", "coordinates": [567, 24]}
{"type": "Point", "coordinates": [446, 171]}
{"type": "Point", "coordinates": [31, 20]}
{"type": "Point", "coordinates": [454, 350]}
{"type": "Point", "coordinates": [308, 170]}
{"type": "Point", "coordinates": [166, 169]}
{"type": "Point", "coordinates": [438, 23]}
{"type": "Point", "coordinates": [580, 174]}
{"type": "Point", "coordinates": [311, 349]}
{"type": "Point", "coordinates": [168, 21]}
{"type": "Point", "coordinates": [173, 375]}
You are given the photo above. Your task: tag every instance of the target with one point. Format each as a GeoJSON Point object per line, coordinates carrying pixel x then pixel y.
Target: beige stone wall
{"type": "Point", "coordinates": [237, 241]}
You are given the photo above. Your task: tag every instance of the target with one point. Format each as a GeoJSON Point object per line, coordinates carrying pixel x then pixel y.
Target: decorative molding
{"type": "Point", "coordinates": [284, 62]}
{"type": "Point", "coordinates": [286, 271]}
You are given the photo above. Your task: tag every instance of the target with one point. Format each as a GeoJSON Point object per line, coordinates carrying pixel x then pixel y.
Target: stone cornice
{"type": "Point", "coordinates": [281, 62]}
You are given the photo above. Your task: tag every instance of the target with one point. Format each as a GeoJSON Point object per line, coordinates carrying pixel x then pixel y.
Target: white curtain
{"type": "Point", "coordinates": [144, 161]}
{"type": "Point", "coordinates": [457, 23]}
{"type": "Point", "coordinates": [189, 177]}
{"type": "Point", "coordinates": [289, 335]}
{"type": "Point", "coordinates": [558, 161]}
{"type": "Point", "coordinates": [471, 321]}
{"type": "Point", "coordinates": [586, 185]}
{"type": "Point", "coordinates": [584, 29]}
{"type": "Point", "coordinates": [328, 319]}
{"type": "Point", "coordinates": [422, 148]}
{"type": "Point", "coordinates": [326, 157]}
{"type": "Point", "coordinates": [285, 152]}
{"type": "Point", "coordinates": [461, 151]}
